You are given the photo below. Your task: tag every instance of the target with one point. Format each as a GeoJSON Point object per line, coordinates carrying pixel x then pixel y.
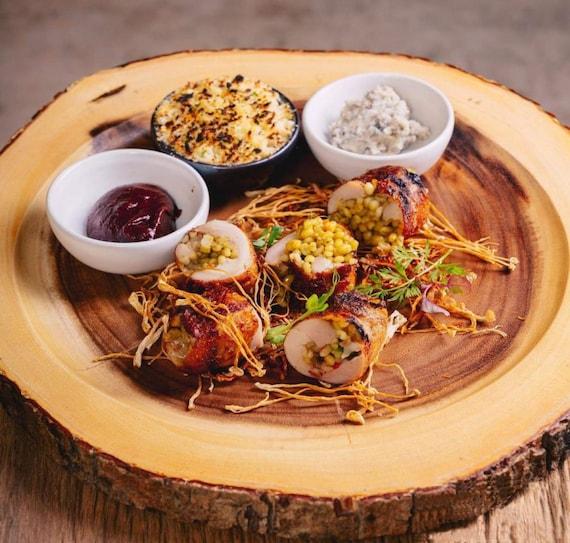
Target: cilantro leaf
{"type": "Point", "coordinates": [276, 334]}
{"type": "Point", "coordinates": [274, 235]}
{"type": "Point", "coordinates": [411, 268]}
{"type": "Point", "coordinates": [261, 241]}
{"type": "Point", "coordinates": [314, 304]}
{"type": "Point", "coordinates": [317, 304]}
{"type": "Point", "coordinates": [269, 237]}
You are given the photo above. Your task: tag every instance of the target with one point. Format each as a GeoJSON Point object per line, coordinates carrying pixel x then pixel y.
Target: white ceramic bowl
{"type": "Point", "coordinates": [427, 105]}
{"type": "Point", "coordinates": [75, 190]}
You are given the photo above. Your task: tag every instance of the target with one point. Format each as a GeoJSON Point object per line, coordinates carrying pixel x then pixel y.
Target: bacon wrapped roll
{"type": "Point", "coordinates": [340, 344]}
{"type": "Point", "coordinates": [196, 344]}
{"type": "Point", "coordinates": [219, 253]}
{"type": "Point", "coordinates": [313, 252]}
{"type": "Point", "coordinates": [381, 207]}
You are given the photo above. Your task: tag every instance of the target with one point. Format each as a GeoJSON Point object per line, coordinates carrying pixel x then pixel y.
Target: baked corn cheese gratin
{"type": "Point", "coordinates": [224, 121]}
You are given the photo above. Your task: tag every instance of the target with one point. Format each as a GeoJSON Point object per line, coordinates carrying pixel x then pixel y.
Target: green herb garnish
{"type": "Point", "coordinates": [268, 237]}
{"type": "Point", "coordinates": [412, 269]}
{"type": "Point", "coordinates": [313, 304]}
{"type": "Point", "coordinates": [276, 334]}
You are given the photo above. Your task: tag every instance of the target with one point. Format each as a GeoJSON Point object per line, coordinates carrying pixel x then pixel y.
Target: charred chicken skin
{"type": "Point", "coordinates": [340, 344]}
{"type": "Point", "coordinates": [197, 344]}
{"type": "Point", "coordinates": [313, 253]}
{"type": "Point", "coordinates": [381, 207]}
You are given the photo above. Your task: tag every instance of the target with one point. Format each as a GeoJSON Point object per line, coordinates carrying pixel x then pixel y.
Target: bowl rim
{"type": "Point", "coordinates": [166, 149]}
{"type": "Point", "coordinates": [448, 126]}
{"type": "Point", "coordinates": [53, 220]}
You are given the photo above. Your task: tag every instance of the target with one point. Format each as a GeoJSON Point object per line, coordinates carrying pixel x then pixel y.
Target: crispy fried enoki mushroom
{"type": "Point", "coordinates": [439, 232]}
{"type": "Point", "coordinates": [361, 392]}
{"type": "Point", "coordinates": [288, 206]}
{"type": "Point", "coordinates": [277, 290]}
{"type": "Point", "coordinates": [453, 317]}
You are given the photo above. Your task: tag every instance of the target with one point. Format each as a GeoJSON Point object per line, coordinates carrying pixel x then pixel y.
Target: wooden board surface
{"type": "Point", "coordinates": [41, 501]}
{"type": "Point", "coordinates": [491, 416]}
{"type": "Point", "coordinates": [470, 184]}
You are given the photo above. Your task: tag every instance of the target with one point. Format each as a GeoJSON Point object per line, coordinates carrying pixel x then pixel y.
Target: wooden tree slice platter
{"type": "Point", "coordinates": [493, 412]}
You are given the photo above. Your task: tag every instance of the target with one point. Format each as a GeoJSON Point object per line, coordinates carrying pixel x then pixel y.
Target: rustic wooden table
{"type": "Point", "coordinates": [41, 501]}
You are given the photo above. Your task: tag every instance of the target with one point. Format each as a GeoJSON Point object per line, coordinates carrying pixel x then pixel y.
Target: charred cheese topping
{"type": "Point", "coordinates": [224, 121]}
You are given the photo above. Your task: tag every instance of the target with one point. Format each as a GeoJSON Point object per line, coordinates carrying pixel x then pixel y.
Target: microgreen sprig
{"type": "Point", "coordinates": [313, 304]}
{"type": "Point", "coordinates": [269, 237]}
{"type": "Point", "coordinates": [412, 268]}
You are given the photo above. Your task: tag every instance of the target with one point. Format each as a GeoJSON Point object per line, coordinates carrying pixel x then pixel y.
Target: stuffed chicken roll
{"type": "Point", "coordinates": [340, 344]}
{"type": "Point", "coordinates": [217, 253]}
{"type": "Point", "coordinates": [197, 344]}
{"type": "Point", "coordinates": [313, 252]}
{"type": "Point", "coordinates": [381, 207]}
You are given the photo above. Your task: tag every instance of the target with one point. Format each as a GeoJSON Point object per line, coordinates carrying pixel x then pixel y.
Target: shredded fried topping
{"type": "Point", "coordinates": [416, 276]}
{"type": "Point", "coordinates": [441, 233]}
{"type": "Point", "coordinates": [288, 206]}
{"type": "Point", "coordinates": [367, 397]}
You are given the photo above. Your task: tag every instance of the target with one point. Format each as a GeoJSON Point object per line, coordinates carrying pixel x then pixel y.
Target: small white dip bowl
{"type": "Point", "coordinates": [427, 104]}
{"type": "Point", "coordinates": [75, 190]}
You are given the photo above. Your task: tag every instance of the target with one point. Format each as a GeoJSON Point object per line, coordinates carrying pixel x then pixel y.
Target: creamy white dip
{"type": "Point", "coordinates": [378, 124]}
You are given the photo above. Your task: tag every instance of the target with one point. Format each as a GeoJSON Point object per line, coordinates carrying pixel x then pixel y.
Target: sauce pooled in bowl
{"type": "Point", "coordinates": [137, 212]}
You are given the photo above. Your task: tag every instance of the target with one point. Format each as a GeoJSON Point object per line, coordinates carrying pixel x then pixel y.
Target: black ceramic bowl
{"type": "Point", "coordinates": [228, 180]}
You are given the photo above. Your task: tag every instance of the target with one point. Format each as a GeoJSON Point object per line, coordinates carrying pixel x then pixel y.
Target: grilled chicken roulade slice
{"type": "Point", "coordinates": [217, 252]}
{"type": "Point", "coordinates": [339, 345]}
{"type": "Point", "coordinates": [313, 252]}
{"type": "Point", "coordinates": [381, 207]}
{"type": "Point", "coordinates": [196, 344]}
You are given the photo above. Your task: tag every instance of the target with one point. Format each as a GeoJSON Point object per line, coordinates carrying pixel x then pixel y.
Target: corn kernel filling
{"type": "Point", "coordinates": [347, 345]}
{"type": "Point", "coordinates": [202, 251]}
{"type": "Point", "coordinates": [364, 218]}
{"type": "Point", "coordinates": [178, 341]}
{"type": "Point", "coordinates": [324, 238]}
